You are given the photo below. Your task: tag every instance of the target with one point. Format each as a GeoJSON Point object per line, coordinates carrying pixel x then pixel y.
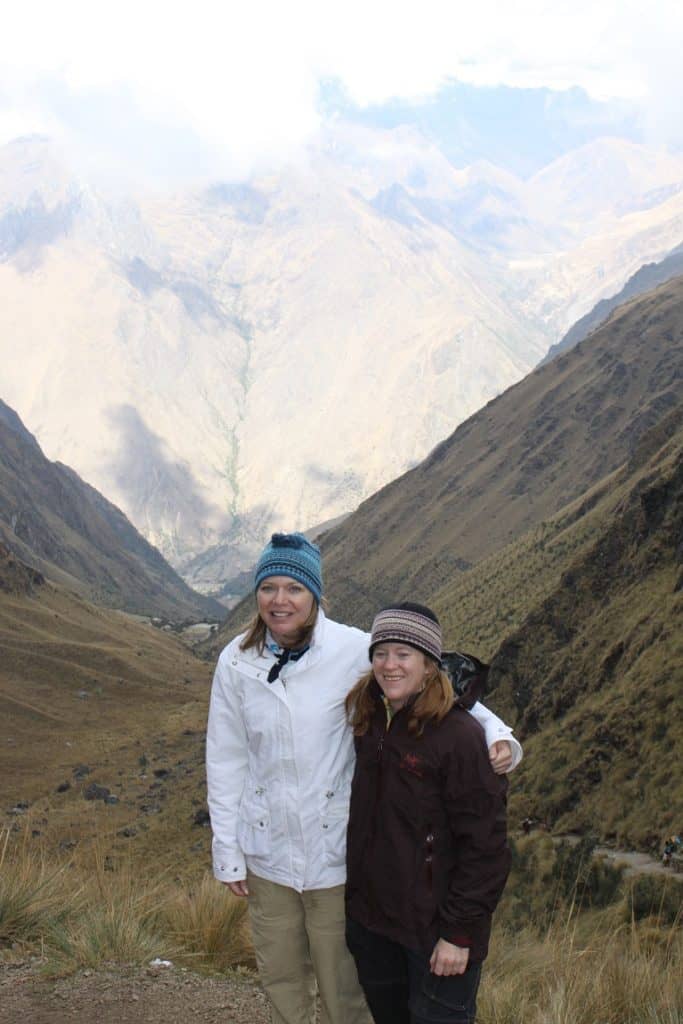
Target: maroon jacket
{"type": "Point", "coordinates": [427, 853]}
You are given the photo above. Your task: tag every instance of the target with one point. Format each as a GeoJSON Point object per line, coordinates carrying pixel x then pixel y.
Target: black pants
{"type": "Point", "coordinates": [400, 988]}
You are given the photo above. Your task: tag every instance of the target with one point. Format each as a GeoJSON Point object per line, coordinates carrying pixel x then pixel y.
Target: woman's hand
{"type": "Point", "coordinates": [238, 888]}
{"type": "Point", "coordinates": [500, 755]}
{"type": "Point", "coordinates": [448, 959]}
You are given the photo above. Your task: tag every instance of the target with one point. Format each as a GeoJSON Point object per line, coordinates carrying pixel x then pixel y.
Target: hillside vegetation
{"type": "Point", "coordinates": [102, 727]}
{"type": "Point", "coordinates": [593, 675]}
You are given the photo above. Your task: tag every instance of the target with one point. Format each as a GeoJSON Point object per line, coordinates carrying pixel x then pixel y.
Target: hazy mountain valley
{"type": "Point", "coordinates": [158, 357]}
{"type": "Point", "coordinates": [408, 279]}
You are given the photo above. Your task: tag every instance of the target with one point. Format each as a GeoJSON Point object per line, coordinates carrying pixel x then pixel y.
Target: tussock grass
{"type": "Point", "coordinates": [583, 975]}
{"type": "Point", "coordinates": [210, 925]}
{"type": "Point", "coordinates": [118, 919]}
{"type": "Point", "coordinates": [87, 915]}
{"type": "Point", "coordinates": [32, 894]}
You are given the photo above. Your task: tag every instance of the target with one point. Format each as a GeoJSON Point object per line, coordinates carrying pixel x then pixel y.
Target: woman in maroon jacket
{"type": "Point", "coordinates": [427, 855]}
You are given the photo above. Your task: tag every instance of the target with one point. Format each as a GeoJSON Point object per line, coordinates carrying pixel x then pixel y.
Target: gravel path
{"type": "Point", "coordinates": [167, 995]}
{"type": "Point", "coordinates": [635, 863]}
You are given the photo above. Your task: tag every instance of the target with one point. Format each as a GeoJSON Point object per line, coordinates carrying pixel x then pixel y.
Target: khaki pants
{"type": "Point", "coordinates": [299, 939]}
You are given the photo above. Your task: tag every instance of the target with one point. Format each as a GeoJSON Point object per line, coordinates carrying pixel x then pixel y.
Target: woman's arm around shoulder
{"type": "Point", "coordinates": [505, 751]}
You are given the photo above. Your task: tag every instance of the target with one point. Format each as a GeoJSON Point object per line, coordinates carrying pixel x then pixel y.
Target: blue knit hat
{"type": "Point", "coordinates": [291, 554]}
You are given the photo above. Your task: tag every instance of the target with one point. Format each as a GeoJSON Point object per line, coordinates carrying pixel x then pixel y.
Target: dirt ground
{"type": "Point", "coordinates": [164, 995]}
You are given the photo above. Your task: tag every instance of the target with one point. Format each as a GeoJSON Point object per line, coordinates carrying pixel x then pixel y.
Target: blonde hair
{"type": "Point", "coordinates": [433, 702]}
{"type": "Point", "coordinates": [255, 635]}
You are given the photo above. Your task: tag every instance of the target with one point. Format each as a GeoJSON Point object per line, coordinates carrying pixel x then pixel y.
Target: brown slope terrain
{"type": "Point", "coordinates": [524, 456]}
{"type": "Point", "coordinates": [594, 674]}
{"type": "Point", "coordinates": [54, 520]}
{"type": "Point", "coordinates": [90, 696]}
{"type": "Point", "coordinates": [15, 577]}
{"type": "Point", "coordinates": [479, 608]}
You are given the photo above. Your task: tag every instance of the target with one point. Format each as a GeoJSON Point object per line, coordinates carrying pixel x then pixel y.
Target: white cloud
{"type": "Point", "coordinates": [225, 85]}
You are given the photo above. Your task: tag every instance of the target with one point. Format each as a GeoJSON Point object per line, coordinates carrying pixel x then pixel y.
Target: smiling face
{"type": "Point", "coordinates": [285, 605]}
{"type": "Point", "coordinates": [400, 670]}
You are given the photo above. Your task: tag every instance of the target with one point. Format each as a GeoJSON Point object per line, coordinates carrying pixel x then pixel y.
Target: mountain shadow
{"type": "Point", "coordinates": [53, 520]}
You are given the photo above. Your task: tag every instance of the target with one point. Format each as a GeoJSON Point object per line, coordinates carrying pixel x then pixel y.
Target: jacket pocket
{"type": "Point", "coordinates": [334, 819]}
{"type": "Point", "coordinates": [253, 826]}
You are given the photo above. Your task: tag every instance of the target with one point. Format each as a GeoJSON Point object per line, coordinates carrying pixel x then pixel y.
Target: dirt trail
{"type": "Point", "coordinates": [635, 863]}
{"type": "Point", "coordinates": [122, 995]}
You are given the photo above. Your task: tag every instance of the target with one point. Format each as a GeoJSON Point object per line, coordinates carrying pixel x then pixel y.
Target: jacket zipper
{"type": "Point", "coordinates": [373, 821]}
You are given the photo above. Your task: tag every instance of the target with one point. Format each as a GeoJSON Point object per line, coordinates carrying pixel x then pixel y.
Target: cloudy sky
{"type": "Point", "coordinates": [212, 88]}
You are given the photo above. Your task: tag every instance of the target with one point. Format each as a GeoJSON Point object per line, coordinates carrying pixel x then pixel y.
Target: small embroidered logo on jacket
{"type": "Point", "coordinates": [412, 763]}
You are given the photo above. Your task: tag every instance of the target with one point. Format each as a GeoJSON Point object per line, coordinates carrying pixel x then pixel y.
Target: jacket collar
{"type": "Point", "coordinates": [311, 657]}
{"type": "Point", "coordinates": [378, 695]}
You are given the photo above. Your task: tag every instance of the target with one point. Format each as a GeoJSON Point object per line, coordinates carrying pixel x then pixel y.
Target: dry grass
{"type": "Point", "coordinates": [86, 915]}
{"type": "Point", "coordinates": [32, 893]}
{"type": "Point", "coordinates": [209, 925]}
{"type": "Point", "coordinates": [578, 974]}
{"type": "Point", "coordinates": [585, 968]}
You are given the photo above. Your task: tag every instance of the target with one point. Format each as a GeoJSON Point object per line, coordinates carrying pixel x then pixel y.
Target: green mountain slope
{"type": "Point", "coordinates": [594, 674]}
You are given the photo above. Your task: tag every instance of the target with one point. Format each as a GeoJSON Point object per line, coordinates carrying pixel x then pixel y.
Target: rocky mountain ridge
{"type": "Point", "coordinates": [648, 277]}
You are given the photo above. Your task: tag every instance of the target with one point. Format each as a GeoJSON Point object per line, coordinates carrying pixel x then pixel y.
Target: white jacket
{"type": "Point", "coordinates": [280, 757]}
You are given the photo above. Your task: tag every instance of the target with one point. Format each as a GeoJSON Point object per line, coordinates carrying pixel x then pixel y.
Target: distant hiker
{"type": "Point", "coordinates": [280, 758]}
{"type": "Point", "coordinates": [427, 856]}
{"type": "Point", "coordinates": [671, 847]}
{"type": "Point", "coordinates": [527, 825]}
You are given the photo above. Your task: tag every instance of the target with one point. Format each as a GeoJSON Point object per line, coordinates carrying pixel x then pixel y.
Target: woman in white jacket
{"type": "Point", "coordinates": [280, 760]}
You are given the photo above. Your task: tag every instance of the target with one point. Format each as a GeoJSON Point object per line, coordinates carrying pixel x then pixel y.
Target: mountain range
{"type": "Point", "coordinates": [643, 280]}
{"type": "Point", "coordinates": [227, 360]}
{"type": "Point", "coordinates": [546, 531]}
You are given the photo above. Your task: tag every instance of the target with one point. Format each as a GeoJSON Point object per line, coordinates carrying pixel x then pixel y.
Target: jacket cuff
{"type": "Point", "coordinates": [457, 938]}
{"type": "Point", "coordinates": [229, 865]}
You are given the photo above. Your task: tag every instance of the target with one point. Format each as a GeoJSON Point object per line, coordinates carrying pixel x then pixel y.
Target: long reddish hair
{"type": "Point", "coordinates": [433, 702]}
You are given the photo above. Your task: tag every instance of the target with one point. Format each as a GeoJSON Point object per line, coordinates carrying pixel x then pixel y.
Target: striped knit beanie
{"type": "Point", "coordinates": [291, 554]}
{"type": "Point", "coordinates": [408, 623]}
